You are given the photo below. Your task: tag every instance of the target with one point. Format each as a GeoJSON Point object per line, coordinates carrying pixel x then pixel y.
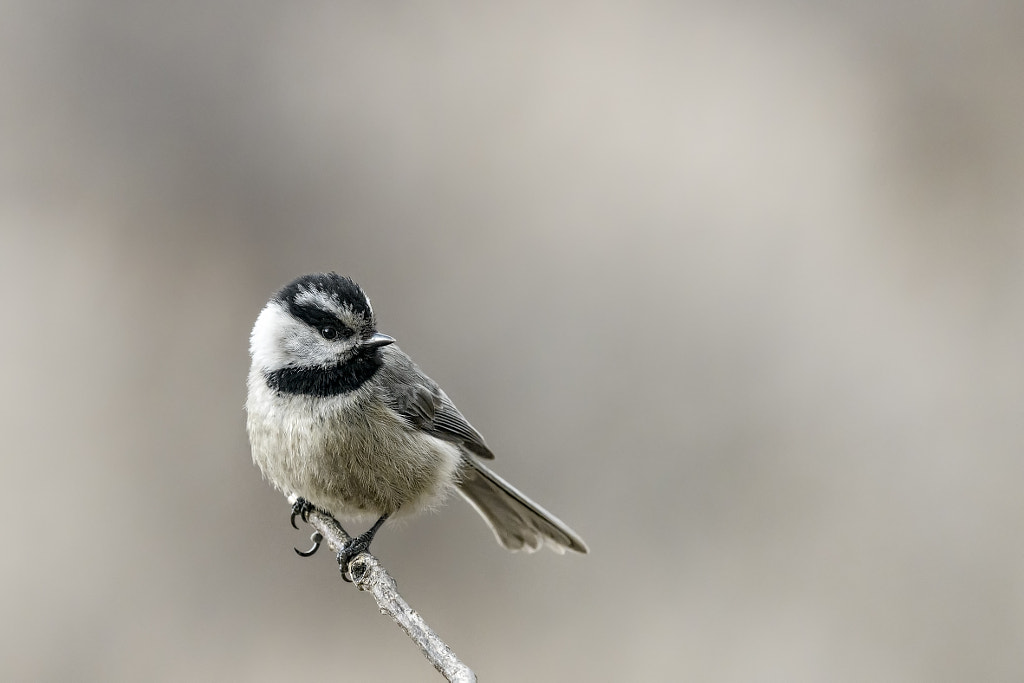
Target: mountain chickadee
{"type": "Point", "coordinates": [339, 416]}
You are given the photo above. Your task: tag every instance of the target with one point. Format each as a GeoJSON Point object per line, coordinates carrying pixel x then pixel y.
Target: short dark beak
{"type": "Point", "coordinates": [378, 340]}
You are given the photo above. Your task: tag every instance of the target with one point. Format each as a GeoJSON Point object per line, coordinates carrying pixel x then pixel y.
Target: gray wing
{"type": "Point", "coordinates": [421, 401]}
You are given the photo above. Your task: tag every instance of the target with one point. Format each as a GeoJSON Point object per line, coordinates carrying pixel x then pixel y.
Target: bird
{"type": "Point", "coordinates": [341, 419]}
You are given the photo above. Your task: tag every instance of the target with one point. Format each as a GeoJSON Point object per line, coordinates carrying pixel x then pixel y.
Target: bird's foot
{"type": "Point", "coordinates": [358, 545]}
{"type": "Point", "coordinates": [301, 508]}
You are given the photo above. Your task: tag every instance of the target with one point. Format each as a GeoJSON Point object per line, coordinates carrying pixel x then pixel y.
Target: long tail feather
{"type": "Point", "coordinates": [517, 522]}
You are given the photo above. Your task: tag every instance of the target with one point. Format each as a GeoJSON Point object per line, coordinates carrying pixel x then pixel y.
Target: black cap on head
{"type": "Point", "coordinates": [340, 289]}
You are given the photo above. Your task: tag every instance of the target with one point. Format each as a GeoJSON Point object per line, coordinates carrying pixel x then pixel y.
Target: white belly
{"type": "Point", "coordinates": [348, 458]}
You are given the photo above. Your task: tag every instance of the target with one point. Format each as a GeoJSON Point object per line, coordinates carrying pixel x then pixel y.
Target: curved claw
{"type": "Point", "coordinates": [317, 539]}
{"type": "Point", "coordinates": [301, 508]}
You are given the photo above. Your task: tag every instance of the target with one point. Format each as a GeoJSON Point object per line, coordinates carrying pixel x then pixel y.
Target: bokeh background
{"type": "Point", "coordinates": [734, 288]}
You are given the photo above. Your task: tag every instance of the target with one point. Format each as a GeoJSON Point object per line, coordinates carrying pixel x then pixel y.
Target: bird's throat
{"type": "Point", "coordinates": [331, 380]}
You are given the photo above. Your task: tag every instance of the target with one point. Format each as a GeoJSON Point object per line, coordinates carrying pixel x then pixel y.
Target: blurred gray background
{"type": "Point", "coordinates": [733, 288]}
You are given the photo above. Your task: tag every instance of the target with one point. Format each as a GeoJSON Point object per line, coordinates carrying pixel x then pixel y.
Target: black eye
{"type": "Point", "coordinates": [329, 332]}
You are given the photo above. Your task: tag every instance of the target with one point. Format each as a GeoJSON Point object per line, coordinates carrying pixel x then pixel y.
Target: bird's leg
{"type": "Point", "coordinates": [360, 544]}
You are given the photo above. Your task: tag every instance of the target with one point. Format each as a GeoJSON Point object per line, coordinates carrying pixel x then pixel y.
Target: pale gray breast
{"type": "Point", "coordinates": [350, 455]}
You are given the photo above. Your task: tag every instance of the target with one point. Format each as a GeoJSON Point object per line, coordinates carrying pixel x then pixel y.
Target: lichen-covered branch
{"type": "Point", "coordinates": [368, 575]}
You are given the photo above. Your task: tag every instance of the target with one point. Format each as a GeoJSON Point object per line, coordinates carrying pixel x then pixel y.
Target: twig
{"type": "Point", "coordinates": [368, 575]}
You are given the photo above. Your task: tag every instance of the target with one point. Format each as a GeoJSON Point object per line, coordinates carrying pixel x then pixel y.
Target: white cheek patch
{"type": "Point", "coordinates": [278, 340]}
{"type": "Point", "coordinates": [265, 345]}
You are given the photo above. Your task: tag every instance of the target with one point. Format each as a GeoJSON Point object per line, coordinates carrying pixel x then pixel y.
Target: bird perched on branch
{"type": "Point", "coordinates": [339, 416]}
